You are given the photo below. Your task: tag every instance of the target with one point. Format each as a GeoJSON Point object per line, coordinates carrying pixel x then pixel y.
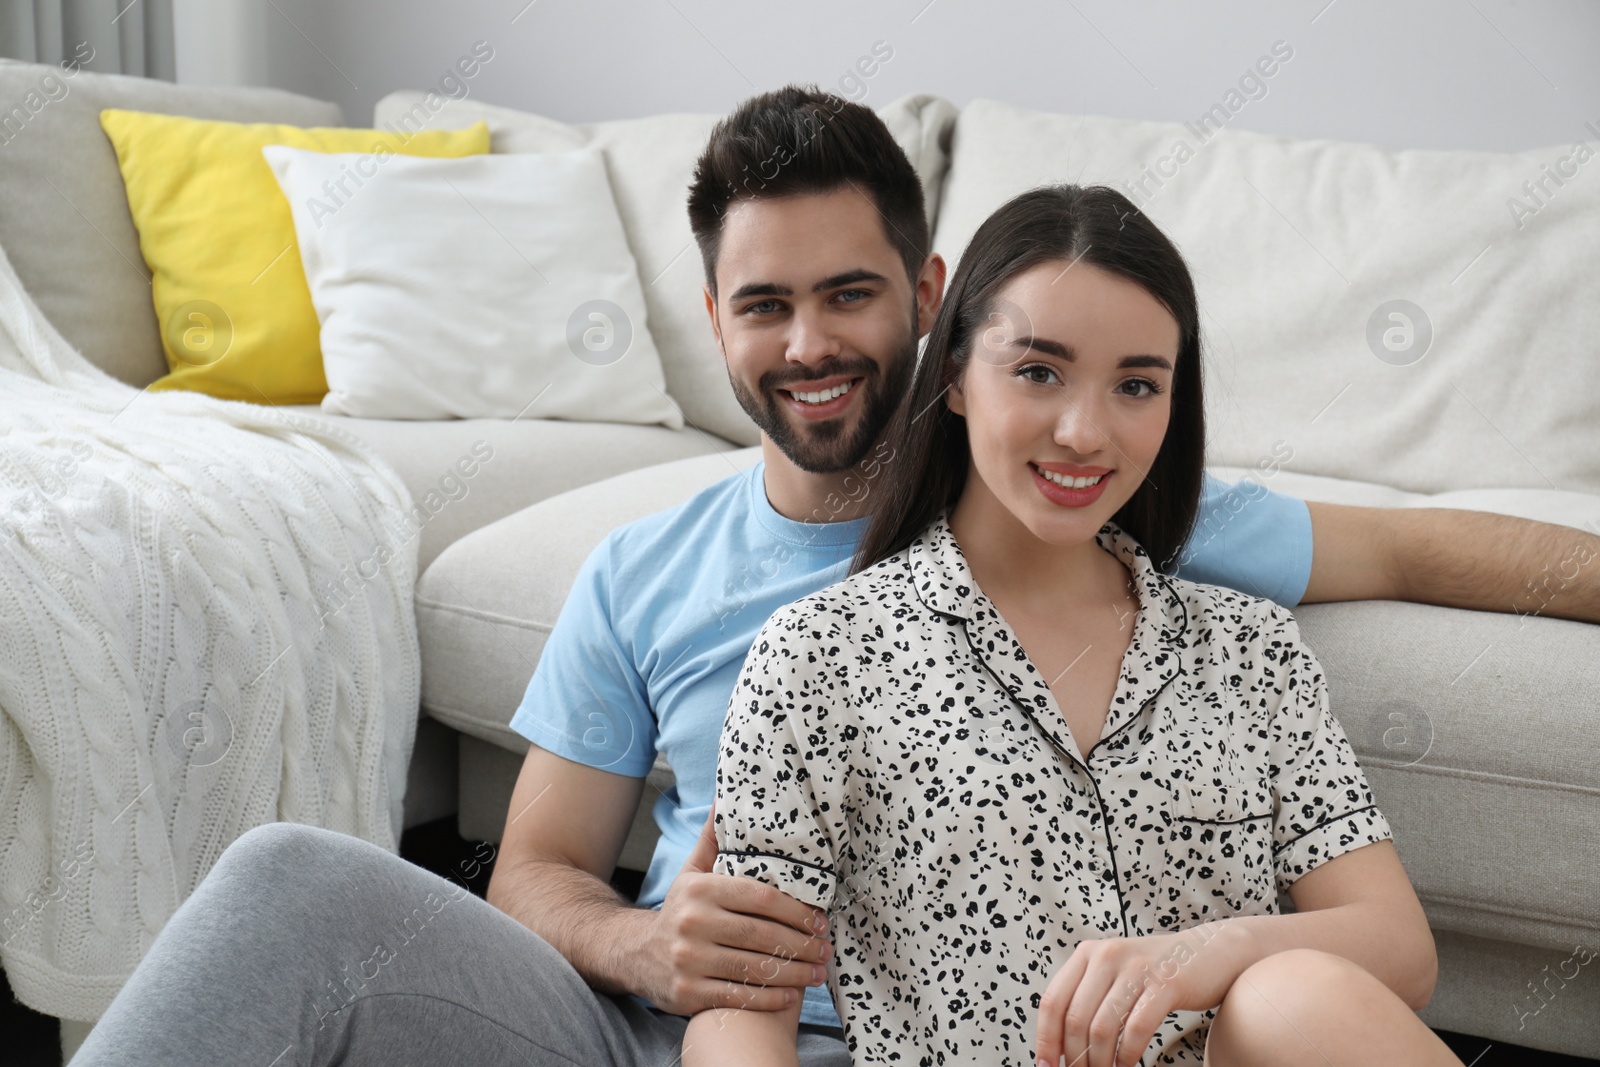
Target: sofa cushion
{"type": "Point", "coordinates": [64, 219]}
{"type": "Point", "coordinates": [1476, 729]}
{"type": "Point", "coordinates": [651, 161]}
{"type": "Point", "coordinates": [1297, 249]}
{"type": "Point", "coordinates": [464, 474]}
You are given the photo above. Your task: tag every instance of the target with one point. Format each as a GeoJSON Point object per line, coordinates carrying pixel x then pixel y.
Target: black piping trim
{"type": "Point", "coordinates": [1221, 822]}
{"type": "Point", "coordinates": [829, 871]}
{"type": "Point", "coordinates": [1176, 674]}
{"type": "Point", "coordinates": [1320, 825]}
{"type": "Point", "coordinates": [1111, 850]}
{"type": "Point", "coordinates": [1105, 816]}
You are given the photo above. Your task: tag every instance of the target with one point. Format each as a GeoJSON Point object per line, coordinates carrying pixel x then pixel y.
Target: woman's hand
{"type": "Point", "coordinates": [1125, 986]}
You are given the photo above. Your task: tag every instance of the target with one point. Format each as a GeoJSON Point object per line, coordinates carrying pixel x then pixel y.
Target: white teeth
{"type": "Point", "coordinates": [823, 397]}
{"type": "Point", "coordinates": [1069, 482]}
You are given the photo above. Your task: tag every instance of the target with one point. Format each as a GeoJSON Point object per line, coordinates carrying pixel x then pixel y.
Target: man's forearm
{"type": "Point", "coordinates": [1454, 558]}
{"type": "Point", "coordinates": [1487, 562]}
{"type": "Point", "coordinates": [581, 917]}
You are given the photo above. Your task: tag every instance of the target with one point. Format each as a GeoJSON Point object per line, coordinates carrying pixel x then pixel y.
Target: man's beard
{"type": "Point", "coordinates": [829, 446]}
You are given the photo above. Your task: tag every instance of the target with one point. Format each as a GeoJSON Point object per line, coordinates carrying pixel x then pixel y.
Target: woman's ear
{"type": "Point", "coordinates": [954, 400]}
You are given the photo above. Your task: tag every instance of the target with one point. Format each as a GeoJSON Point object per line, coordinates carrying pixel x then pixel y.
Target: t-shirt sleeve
{"type": "Point", "coordinates": [1322, 806]}
{"type": "Point", "coordinates": [1249, 538]}
{"type": "Point", "coordinates": [586, 701]}
{"type": "Point", "coordinates": [781, 778]}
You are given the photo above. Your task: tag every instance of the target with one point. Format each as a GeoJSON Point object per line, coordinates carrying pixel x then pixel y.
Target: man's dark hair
{"type": "Point", "coordinates": [798, 140]}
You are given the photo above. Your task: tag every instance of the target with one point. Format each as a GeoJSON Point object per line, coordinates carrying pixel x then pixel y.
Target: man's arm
{"type": "Point", "coordinates": [717, 941]}
{"type": "Point", "coordinates": [564, 831]}
{"type": "Point", "coordinates": [1454, 558]}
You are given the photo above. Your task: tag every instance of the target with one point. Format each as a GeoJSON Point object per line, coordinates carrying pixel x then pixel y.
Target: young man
{"type": "Point", "coordinates": [308, 946]}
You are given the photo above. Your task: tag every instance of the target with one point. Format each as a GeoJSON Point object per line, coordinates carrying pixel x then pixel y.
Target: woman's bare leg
{"type": "Point", "coordinates": [1305, 1006]}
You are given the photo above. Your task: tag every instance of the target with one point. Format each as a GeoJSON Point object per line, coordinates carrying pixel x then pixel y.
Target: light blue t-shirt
{"type": "Point", "coordinates": [649, 644]}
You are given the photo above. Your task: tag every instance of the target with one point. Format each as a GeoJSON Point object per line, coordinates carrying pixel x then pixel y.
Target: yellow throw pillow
{"type": "Point", "coordinates": [217, 234]}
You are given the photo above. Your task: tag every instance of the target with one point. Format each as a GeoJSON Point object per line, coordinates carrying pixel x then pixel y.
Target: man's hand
{"type": "Point", "coordinates": [721, 941]}
{"type": "Point", "coordinates": [1105, 1003]}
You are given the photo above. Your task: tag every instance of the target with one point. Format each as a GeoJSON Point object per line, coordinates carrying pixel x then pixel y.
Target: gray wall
{"type": "Point", "coordinates": [1485, 74]}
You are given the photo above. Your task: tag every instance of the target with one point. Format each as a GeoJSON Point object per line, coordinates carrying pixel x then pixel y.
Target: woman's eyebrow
{"type": "Point", "coordinates": [1061, 351]}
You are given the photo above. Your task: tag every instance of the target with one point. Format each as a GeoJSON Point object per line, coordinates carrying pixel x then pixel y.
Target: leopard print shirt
{"type": "Point", "coordinates": [892, 756]}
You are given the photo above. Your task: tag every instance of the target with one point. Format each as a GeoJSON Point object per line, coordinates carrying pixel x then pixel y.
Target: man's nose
{"type": "Point", "coordinates": [810, 339]}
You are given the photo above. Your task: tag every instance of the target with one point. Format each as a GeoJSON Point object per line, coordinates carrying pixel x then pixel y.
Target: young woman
{"type": "Point", "coordinates": [1046, 793]}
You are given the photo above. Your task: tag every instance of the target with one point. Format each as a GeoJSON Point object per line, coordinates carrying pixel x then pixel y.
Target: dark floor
{"type": "Point", "coordinates": [33, 1040]}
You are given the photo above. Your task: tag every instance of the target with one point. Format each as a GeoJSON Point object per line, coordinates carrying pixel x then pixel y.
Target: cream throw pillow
{"type": "Point", "coordinates": [491, 286]}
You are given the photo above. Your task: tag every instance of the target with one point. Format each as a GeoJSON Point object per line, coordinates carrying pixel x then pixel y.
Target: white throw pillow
{"type": "Point", "coordinates": [481, 287]}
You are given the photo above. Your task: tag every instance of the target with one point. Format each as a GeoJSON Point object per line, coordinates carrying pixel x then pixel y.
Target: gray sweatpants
{"type": "Point", "coordinates": [305, 946]}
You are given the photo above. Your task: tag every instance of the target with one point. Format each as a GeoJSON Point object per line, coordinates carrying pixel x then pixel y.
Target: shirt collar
{"type": "Point", "coordinates": [944, 581]}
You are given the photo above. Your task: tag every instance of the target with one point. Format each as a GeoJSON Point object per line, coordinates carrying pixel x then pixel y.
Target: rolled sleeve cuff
{"type": "Point", "coordinates": [808, 883]}
{"type": "Point", "coordinates": [1333, 837]}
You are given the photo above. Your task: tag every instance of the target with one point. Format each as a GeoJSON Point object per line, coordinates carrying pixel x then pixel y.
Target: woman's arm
{"type": "Point", "coordinates": [735, 1037]}
{"type": "Point", "coordinates": [778, 813]}
{"type": "Point", "coordinates": [1359, 905]}
{"type": "Point", "coordinates": [1333, 848]}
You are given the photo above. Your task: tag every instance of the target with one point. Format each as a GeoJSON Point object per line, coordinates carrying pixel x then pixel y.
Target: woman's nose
{"type": "Point", "coordinates": [1079, 427]}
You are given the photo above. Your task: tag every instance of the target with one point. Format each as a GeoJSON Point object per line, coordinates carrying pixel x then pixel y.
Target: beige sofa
{"type": "Point", "coordinates": [1478, 731]}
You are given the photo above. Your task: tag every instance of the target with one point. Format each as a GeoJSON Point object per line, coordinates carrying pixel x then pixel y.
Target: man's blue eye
{"type": "Point", "coordinates": [860, 293]}
{"type": "Point", "coordinates": [761, 307]}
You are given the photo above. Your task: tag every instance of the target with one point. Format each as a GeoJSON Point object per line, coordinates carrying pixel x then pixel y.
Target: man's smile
{"type": "Point", "coordinates": [821, 399]}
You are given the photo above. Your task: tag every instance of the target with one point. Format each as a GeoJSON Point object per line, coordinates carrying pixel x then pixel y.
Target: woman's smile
{"type": "Point", "coordinates": [1068, 491]}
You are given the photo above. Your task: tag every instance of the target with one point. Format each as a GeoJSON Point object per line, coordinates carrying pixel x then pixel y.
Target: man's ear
{"type": "Point", "coordinates": [930, 292]}
{"type": "Point", "coordinates": [711, 312]}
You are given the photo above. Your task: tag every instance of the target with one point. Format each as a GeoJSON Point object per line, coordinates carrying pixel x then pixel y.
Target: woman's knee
{"type": "Point", "coordinates": [1303, 971]}
{"type": "Point", "coordinates": [1276, 1002]}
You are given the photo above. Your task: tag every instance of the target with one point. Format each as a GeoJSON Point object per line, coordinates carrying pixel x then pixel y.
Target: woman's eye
{"type": "Point", "coordinates": [1151, 388]}
{"type": "Point", "coordinates": [1033, 368]}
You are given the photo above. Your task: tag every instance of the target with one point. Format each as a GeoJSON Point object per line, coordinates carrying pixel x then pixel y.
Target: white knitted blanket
{"type": "Point", "coordinates": [206, 624]}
